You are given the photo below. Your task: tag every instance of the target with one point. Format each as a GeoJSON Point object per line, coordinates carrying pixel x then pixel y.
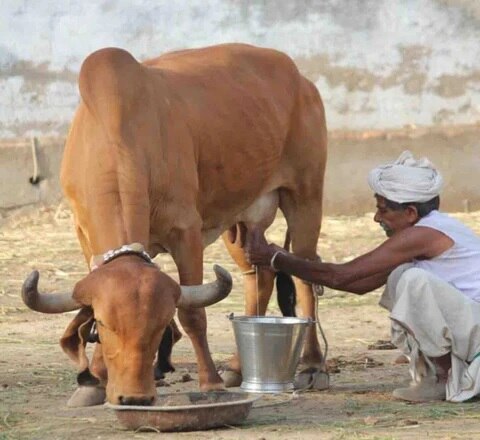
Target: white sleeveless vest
{"type": "Point", "coordinates": [459, 265]}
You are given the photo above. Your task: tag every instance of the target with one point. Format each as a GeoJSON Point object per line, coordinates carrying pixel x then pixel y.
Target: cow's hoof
{"type": "Point", "coordinates": [87, 396]}
{"type": "Point", "coordinates": [321, 381]}
{"type": "Point", "coordinates": [161, 383]}
{"type": "Point", "coordinates": [231, 378]}
{"type": "Point", "coordinates": [312, 379]}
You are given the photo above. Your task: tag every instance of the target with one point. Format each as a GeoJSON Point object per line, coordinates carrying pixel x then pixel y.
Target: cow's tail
{"type": "Point", "coordinates": [286, 292]}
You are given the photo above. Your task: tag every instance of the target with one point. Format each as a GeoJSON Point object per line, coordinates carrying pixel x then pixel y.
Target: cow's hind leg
{"type": "Point", "coordinates": [163, 364]}
{"type": "Point", "coordinates": [304, 221]}
{"type": "Point", "coordinates": [258, 286]}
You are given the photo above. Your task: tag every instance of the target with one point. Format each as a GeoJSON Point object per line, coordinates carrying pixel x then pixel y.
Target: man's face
{"type": "Point", "coordinates": [392, 220]}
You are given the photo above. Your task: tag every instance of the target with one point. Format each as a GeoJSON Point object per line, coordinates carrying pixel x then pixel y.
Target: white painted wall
{"type": "Point", "coordinates": [378, 63]}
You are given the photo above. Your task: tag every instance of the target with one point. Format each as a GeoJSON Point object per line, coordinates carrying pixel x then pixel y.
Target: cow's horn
{"type": "Point", "coordinates": [207, 294]}
{"type": "Point", "coordinates": [46, 303]}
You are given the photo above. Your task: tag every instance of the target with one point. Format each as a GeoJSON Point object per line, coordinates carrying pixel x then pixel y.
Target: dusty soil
{"type": "Point", "coordinates": [36, 378]}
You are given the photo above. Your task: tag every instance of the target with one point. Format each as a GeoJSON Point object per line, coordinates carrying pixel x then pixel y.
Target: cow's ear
{"type": "Point", "coordinates": [74, 339]}
{"type": "Point", "coordinates": [85, 288]}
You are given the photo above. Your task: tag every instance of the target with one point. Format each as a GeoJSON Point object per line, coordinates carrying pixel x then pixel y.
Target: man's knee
{"type": "Point", "coordinates": [397, 274]}
{"type": "Point", "coordinates": [412, 281]}
{"type": "Point", "coordinates": [389, 296]}
{"type": "Point", "coordinates": [414, 275]}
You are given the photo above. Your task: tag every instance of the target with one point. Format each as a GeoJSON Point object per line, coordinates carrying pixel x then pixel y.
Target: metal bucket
{"type": "Point", "coordinates": [269, 348]}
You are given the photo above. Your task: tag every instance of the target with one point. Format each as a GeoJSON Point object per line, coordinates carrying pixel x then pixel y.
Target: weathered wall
{"type": "Point", "coordinates": [378, 63]}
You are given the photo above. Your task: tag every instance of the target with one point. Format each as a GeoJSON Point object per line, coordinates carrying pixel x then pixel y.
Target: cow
{"type": "Point", "coordinates": [171, 153]}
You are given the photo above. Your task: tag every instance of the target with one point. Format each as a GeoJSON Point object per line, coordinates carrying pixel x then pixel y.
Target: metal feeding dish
{"type": "Point", "coordinates": [192, 411]}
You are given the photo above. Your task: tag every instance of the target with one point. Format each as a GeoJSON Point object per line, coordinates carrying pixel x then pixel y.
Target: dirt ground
{"type": "Point", "coordinates": [36, 378]}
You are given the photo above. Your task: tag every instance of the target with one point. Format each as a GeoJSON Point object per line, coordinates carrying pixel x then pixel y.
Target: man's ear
{"type": "Point", "coordinates": [412, 214]}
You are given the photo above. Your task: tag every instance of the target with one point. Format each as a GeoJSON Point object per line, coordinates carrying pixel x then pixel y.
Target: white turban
{"type": "Point", "coordinates": [406, 180]}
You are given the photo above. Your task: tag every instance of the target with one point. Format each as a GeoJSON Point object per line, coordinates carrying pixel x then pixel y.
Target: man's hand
{"type": "Point", "coordinates": [257, 251]}
{"type": "Point", "coordinates": [260, 253]}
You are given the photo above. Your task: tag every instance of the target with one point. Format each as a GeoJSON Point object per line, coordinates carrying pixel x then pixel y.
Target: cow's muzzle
{"type": "Point", "coordinates": [136, 401]}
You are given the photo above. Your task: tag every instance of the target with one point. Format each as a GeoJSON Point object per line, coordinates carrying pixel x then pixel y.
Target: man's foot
{"type": "Point", "coordinates": [87, 396]}
{"type": "Point", "coordinates": [429, 389]}
{"type": "Point", "coordinates": [401, 359]}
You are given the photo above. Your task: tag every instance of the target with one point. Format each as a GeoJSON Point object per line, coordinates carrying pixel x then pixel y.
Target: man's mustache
{"type": "Point", "coordinates": [387, 230]}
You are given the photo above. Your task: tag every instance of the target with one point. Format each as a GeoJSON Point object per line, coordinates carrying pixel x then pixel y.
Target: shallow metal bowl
{"type": "Point", "coordinates": [192, 411]}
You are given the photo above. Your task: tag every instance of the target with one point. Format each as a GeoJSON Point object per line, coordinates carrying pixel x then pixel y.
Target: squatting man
{"type": "Point", "coordinates": [430, 266]}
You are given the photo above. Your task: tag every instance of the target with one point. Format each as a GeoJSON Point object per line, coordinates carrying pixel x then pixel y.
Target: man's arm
{"type": "Point", "coordinates": [314, 271]}
{"type": "Point", "coordinates": [365, 285]}
{"type": "Point", "coordinates": [367, 271]}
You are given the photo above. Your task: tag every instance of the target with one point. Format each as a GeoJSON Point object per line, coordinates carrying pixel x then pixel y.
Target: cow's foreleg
{"type": "Point", "coordinates": [91, 383]}
{"type": "Point", "coordinates": [194, 323]}
{"type": "Point", "coordinates": [187, 252]}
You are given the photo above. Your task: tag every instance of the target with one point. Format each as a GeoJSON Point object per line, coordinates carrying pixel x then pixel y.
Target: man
{"type": "Point", "coordinates": [430, 264]}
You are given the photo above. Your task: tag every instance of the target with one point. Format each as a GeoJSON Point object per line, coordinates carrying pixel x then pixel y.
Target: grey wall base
{"type": "Point", "coordinates": [17, 170]}
{"type": "Point", "coordinates": [455, 151]}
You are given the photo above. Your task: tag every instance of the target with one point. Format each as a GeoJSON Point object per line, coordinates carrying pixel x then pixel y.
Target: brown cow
{"type": "Point", "coordinates": [170, 153]}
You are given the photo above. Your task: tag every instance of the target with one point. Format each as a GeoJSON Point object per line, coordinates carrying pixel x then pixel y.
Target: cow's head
{"type": "Point", "coordinates": [132, 303]}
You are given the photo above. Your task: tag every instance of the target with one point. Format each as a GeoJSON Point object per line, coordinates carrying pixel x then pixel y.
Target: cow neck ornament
{"type": "Point", "coordinates": [127, 249]}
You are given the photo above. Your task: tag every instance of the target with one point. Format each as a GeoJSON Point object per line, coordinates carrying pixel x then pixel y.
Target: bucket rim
{"type": "Point", "coordinates": [270, 319]}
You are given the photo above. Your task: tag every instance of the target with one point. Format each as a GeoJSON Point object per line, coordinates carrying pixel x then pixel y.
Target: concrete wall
{"type": "Point", "coordinates": [455, 151]}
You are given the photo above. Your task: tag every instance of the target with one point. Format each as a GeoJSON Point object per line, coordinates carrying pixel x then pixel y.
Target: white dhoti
{"type": "Point", "coordinates": [430, 318]}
